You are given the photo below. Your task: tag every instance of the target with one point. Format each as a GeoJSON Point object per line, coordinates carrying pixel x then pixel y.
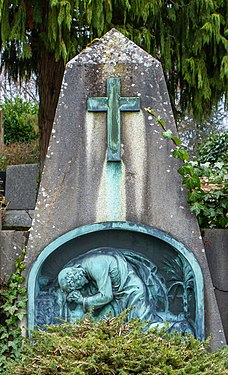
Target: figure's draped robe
{"type": "Point", "coordinates": [119, 279]}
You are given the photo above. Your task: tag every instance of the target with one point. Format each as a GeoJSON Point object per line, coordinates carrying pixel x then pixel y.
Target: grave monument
{"type": "Point", "coordinates": [112, 228]}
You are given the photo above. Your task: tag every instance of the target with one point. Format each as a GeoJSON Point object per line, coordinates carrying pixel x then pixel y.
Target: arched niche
{"type": "Point", "coordinates": [175, 265]}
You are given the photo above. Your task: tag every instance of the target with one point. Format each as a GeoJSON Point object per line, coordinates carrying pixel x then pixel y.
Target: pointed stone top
{"type": "Point", "coordinates": [114, 48]}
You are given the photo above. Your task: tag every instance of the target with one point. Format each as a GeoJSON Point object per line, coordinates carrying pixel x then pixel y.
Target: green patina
{"type": "Point", "coordinates": [113, 104]}
{"type": "Point", "coordinates": [185, 261]}
{"type": "Point", "coordinates": [114, 177]}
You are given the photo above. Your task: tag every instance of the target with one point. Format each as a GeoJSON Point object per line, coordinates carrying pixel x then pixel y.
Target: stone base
{"type": "Point", "coordinates": [222, 300]}
{"type": "Point", "coordinates": [11, 244]}
{"type": "Point", "coordinates": [216, 245]}
{"type": "Point", "coordinates": [18, 219]}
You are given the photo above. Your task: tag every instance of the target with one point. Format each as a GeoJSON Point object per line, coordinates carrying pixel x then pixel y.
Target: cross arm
{"type": "Point", "coordinates": [131, 104]}
{"type": "Point", "coordinates": [97, 104]}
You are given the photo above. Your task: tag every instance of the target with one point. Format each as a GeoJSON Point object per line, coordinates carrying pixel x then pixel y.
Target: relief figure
{"type": "Point", "coordinates": [109, 281]}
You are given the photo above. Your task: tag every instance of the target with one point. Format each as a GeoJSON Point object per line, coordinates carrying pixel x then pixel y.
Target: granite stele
{"type": "Point", "coordinates": [112, 228]}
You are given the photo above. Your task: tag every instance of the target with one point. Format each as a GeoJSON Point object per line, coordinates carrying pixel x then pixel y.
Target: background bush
{"type": "Point", "coordinates": [19, 153]}
{"type": "Point", "coordinates": [20, 120]}
{"type": "Point", "coordinates": [214, 149]}
{"type": "Point", "coordinates": [113, 346]}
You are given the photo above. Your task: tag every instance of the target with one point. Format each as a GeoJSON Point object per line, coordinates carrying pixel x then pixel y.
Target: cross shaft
{"type": "Point", "coordinates": [113, 104]}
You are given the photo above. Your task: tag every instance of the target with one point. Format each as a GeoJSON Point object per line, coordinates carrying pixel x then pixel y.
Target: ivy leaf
{"type": "Point", "coordinates": [196, 208]}
{"type": "Point", "coordinates": [186, 170]}
{"type": "Point", "coordinates": [11, 309]}
{"type": "Point", "coordinates": [21, 315]}
{"type": "Point", "coordinates": [195, 195]}
{"type": "Point", "coordinates": [161, 122]}
{"type": "Point", "coordinates": [191, 181]}
{"type": "Point", "coordinates": [181, 154]}
{"type": "Point", "coordinates": [176, 140]}
{"type": "Point", "coordinates": [167, 134]}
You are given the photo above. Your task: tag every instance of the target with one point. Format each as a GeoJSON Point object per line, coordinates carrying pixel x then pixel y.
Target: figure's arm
{"type": "Point", "coordinates": [99, 271]}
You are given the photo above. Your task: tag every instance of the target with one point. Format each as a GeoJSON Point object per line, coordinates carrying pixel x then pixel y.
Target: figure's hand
{"type": "Point", "coordinates": [75, 297]}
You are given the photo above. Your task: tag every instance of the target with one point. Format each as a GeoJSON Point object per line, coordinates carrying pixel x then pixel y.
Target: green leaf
{"type": "Point", "coordinates": [191, 181]}
{"type": "Point", "coordinates": [181, 153]}
{"type": "Point", "coordinates": [196, 208]}
{"type": "Point", "coordinates": [167, 134]}
{"type": "Point", "coordinates": [195, 195]}
{"type": "Point", "coordinates": [176, 140]}
{"type": "Point", "coordinates": [161, 122]}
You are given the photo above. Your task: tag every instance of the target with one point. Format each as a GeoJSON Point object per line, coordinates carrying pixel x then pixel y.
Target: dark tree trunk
{"type": "Point", "coordinates": [50, 78]}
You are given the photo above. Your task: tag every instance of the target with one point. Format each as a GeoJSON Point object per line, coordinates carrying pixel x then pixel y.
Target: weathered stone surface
{"type": "Point", "coordinates": [217, 260]}
{"type": "Point", "coordinates": [21, 186]}
{"type": "Point", "coordinates": [18, 219]}
{"type": "Point", "coordinates": [222, 299]}
{"type": "Point", "coordinates": [79, 187]}
{"type": "Point", "coordinates": [216, 246]}
{"type": "Point", "coordinates": [11, 244]}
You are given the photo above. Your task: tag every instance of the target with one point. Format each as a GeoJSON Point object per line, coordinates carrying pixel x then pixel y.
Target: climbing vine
{"type": "Point", "coordinates": [206, 182]}
{"type": "Point", "coordinates": [12, 311]}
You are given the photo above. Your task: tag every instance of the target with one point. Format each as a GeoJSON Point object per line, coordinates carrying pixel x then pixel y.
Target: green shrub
{"type": "Point", "coordinates": [206, 179]}
{"type": "Point", "coordinates": [20, 120]}
{"type": "Point", "coordinates": [214, 149]}
{"type": "Point", "coordinates": [19, 153]}
{"type": "Point", "coordinates": [112, 346]}
{"type": "Point", "coordinates": [12, 311]}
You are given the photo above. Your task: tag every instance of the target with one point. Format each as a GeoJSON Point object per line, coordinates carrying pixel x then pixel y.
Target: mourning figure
{"type": "Point", "coordinates": [110, 281]}
{"type": "Point", "coordinates": [106, 281]}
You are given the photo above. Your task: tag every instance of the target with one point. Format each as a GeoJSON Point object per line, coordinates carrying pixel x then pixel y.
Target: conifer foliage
{"type": "Point", "coordinates": [188, 37]}
{"type": "Point", "coordinates": [116, 347]}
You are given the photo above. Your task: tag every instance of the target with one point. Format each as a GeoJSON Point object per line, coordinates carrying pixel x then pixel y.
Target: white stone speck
{"type": "Point", "coordinates": [181, 207]}
{"type": "Point", "coordinates": [150, 117]}
{"type": "Point", "coordinates": [53, 131]}
{"type": "Point", "coordinates": [203, 251]}
{"type": "Point", "coordinates": [160, 146]}
{"type": "Point", "coordinates": [168, 170]}
{"type": "Point", "coordinates": [15, 247]}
